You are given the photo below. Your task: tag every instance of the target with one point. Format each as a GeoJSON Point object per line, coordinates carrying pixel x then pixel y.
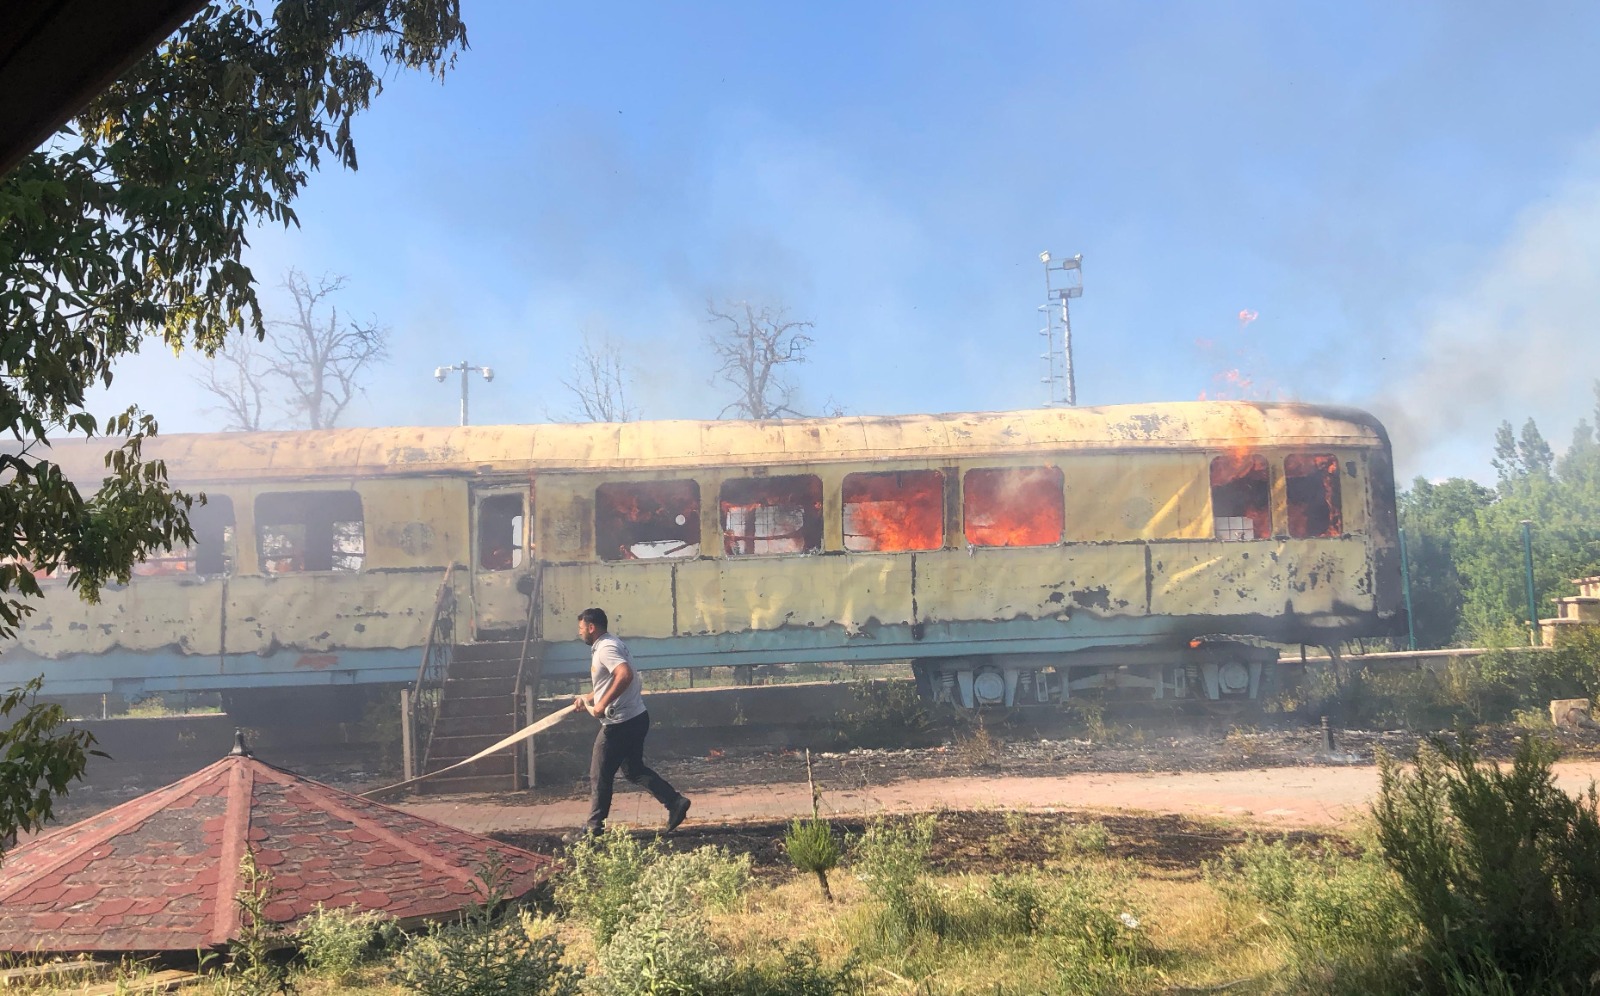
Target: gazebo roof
{"type": "Point", "coordinates": [161, 872]}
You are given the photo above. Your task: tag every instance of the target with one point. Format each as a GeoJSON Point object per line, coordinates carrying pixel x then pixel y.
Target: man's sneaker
{"type": "Point", "coordinates": [581, 834]}
{"type": "Point", "coordinates": [676, 812]}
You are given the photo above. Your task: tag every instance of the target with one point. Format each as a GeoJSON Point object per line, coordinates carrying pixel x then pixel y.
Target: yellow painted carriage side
{"type": "Point", "coordinates": [1131, 477]}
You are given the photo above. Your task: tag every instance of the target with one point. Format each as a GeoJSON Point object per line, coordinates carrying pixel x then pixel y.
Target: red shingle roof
{"type": "Point", "coordinates": [161, 872]}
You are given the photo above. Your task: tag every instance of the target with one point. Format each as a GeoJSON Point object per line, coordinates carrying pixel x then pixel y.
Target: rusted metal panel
{"type": "Point", "coordinates": [1153, 496]}
{"type": "Point", "coordinates": [412, 524]}
{"type": "Point", "coordinates": [638, 596]}
{"type": "Point", "coordinates": [149, 614]}
{"type": "Point", "coordinates": [1038, 583]}
{"type": "Point", "coordinates": [1262, 578]}
{"type": "Point", "coordinates": [768, 593]}
{"type": "Point", "coordinates": [326, 612]}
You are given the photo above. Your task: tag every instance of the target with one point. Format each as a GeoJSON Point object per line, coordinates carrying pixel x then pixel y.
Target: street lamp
{"type": "Point", "coordinates": [440, 373]}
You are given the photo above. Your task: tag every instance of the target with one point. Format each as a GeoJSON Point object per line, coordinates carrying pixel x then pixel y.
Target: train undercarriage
{"type": "Point", "coordinates": [1221, 675]}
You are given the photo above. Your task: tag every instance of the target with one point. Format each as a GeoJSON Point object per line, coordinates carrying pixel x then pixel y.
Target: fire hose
{"type": "Point", "coordinates": [515, 738]}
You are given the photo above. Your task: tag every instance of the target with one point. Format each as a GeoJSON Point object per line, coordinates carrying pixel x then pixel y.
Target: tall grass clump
{"type": "Point", "coordinates": [1499, 866]}
{"type": "Point", "coordinates": [892, 859]}
{"type": "Point", "coordinates": [1344, 920]}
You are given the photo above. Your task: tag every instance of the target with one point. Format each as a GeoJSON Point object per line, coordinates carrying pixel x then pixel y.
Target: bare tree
{"type": "Point", "coordinates": [599, 382]}
{"type": "Point", "coordinates": [753, 344]}
{"type": "Point", "coordinates": [318, 358]}
{"type": "Point", "coordinates": [235, 377]}
{"type": "Point", "coordinates": [311, 363]}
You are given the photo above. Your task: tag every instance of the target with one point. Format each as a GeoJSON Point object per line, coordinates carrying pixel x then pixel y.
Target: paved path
{"type": "Point", "coordinates": [1311, 796]}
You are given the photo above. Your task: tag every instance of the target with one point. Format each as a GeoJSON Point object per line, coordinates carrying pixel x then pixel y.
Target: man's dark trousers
{"type": "Point", "coordinates": [621, 746]}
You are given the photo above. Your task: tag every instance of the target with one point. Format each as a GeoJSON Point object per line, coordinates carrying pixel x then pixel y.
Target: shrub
{"type": "Point", "coordinates": [488, 952]}
{"type": "Point", "coordinates": [493, 948]}
{"type": "Point", "coordinates": [812, 847]}
{"type": "Point", "coordinates": [602, 880]}
{"type": "Point", "coordinates": [609, 876]}
{"type": "Point", "coordinates": [660, 953]}
{"type": "Point", "coordinates": [1500, 867]}
{"type": "Point", "coordinates": [335, 941]}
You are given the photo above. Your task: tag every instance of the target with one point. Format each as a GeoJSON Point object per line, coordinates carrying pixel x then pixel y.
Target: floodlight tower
{"type": "Point", "coordinates": [1061, 383]}
{"type": "Point", "coordinates": [439, 374]}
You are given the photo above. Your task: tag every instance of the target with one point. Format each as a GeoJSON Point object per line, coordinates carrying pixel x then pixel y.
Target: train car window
{"type": "Point", "coordinates": [212, 550]}
{"type": "Point", "coordinates": [894, 510]}
{"type": "Point", "coordinates": [1013, 506]}
{"type": "Point", "coordinates": [500, 533]}
{"type": "Point", "coordinates": [1241, 497]}
{"type": "Point", "coordinates": [1312, 484]}
{"type": "Point", "coordinates": [772, 515]}
{"type": "Point", "coordinates": [299, 531]}
{"type": "Point", "coordinates": [651, 520]}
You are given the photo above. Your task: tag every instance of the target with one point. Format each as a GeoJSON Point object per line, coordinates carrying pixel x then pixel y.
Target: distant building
{"type": "Point", "coordinates": [1582, 609]}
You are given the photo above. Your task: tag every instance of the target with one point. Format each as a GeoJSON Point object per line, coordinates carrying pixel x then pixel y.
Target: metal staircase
{"type": "Point", "coordinates": [477, 706]}
{"type": "Point", "coordinates": [470, 695]}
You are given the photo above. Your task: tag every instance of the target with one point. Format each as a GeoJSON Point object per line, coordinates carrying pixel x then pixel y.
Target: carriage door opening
{"type": "Point", "coordinates": [501, 556]}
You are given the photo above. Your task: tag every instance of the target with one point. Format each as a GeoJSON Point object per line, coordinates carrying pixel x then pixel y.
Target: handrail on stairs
{"type": "Point", "coordinates": [427, 692]}
{"type": "Point", "coordinates": [532, 632]}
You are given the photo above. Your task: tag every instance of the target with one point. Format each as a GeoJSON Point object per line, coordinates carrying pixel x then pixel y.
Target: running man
{"type": "Point", "coordinates": [617, 701]}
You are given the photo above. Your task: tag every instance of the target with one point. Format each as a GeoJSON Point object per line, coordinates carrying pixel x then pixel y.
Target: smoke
{"type": "Point", "coordinates": [1516, 339]}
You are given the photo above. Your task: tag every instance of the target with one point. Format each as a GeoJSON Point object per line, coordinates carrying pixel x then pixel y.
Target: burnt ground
{"type": "Point", "coordinates": [990, 841]}
{"type": "Point", "coordinates": [1166, 744]}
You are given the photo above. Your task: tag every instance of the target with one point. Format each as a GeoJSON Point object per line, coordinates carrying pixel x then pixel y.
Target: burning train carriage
{"type": "Point", "coordinates": [1014, 557]}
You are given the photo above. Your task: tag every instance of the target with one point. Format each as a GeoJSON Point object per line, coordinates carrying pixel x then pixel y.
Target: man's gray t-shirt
{"type": "Point", "coordinates": [604, 656]}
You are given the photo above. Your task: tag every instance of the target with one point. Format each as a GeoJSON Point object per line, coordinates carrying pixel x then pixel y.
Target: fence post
{"type": "Point", "coordinates": [405, 734]}
{"type": "Point", "coordinates": [527, 719]}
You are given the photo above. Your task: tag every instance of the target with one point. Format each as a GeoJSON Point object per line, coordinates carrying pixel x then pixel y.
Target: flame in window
{"type": "Point", "coordinates": [895, 510]}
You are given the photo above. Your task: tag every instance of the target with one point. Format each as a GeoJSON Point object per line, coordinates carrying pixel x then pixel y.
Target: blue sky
{"type": "Point", "coordinates": [1408, 195]}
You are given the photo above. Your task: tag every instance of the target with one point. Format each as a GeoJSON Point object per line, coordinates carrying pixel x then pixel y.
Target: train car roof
{"type": "Point", "coordinates": [488, 450]}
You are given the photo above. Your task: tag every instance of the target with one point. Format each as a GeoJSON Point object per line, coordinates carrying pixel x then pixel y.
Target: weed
{"type": "Point", "coordinates": [1016, 821]}
{"type": "Point", "coordinates": [1500, 867]}
{"type": "Point", "coordinates": [1091, 716]}
{"type": "Point", "coordinates": [978, 748]}
{"type": "Point", "coordinates": [659, 942]}
{"type": "Point", "coordinates": [613, 882]}
{"type": "Point", "coordinates": [886, 714]}
{"type": "Point", "coordinates": [812, 847]}
{"type": "Point", "coordinates": [253, 969]}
